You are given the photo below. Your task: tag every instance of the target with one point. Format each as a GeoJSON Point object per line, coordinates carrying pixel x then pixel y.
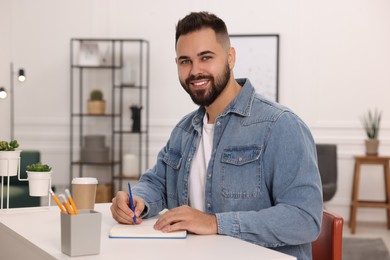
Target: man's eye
{"type": "Point", "coordinates": [184, 62]}
{"type": "Point", "coordinates": [204, 58]}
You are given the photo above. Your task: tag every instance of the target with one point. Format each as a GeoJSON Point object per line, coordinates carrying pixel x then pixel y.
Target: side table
{"type": "Point", "coordinates": [378, 160]}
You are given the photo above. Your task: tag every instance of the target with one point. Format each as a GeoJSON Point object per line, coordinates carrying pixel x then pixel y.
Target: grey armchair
{"type": "Point", "coordinates": [327, 165]}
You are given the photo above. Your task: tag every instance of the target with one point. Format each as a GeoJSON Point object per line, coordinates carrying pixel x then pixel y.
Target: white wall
{"type": "Point", "coordinates": [335, 60]}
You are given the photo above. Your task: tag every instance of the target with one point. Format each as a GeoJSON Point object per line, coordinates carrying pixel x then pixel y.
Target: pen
{"type": "Point", "coordinates": [70, 199]}
{"type": "Point", "coordinates": [131, 203]}
{"type": "Point", "coordinates": [57, 201]}
{"type": "Point", "coordinates": [66, 204]}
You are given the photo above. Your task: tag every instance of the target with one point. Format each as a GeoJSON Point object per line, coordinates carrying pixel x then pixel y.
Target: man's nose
{"type": "Point", "coordinates": [196, 68]}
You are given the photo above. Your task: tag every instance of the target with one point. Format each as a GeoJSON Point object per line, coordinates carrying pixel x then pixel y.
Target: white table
{"type": "Point", "coordinates": [35, 233]}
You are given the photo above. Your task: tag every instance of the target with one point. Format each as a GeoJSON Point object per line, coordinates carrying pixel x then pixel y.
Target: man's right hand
{"type": "Point", "coordinates": [121, 211]}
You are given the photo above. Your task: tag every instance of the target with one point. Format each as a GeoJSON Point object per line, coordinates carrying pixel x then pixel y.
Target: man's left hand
{"type": "Point", "coordinates": [187, 218]}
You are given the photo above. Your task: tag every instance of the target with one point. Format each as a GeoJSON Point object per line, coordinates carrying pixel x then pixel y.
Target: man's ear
{"type": "Point", "coordinates": [232, 57]}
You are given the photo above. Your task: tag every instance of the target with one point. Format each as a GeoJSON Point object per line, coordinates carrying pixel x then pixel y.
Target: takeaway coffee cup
{"type": "Point", "coordinates": [84, 192]}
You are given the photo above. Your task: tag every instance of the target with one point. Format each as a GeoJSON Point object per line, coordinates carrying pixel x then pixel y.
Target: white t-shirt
{"type": "Point", "coordinates": [200, 163]}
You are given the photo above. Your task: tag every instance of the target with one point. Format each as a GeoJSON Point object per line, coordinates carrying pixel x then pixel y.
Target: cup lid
{"type": "Point", "coordinates": [84, 180]}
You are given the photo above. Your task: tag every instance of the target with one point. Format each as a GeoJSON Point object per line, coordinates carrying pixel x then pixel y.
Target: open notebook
{"type": "Point", "coordinates": [143, 230]}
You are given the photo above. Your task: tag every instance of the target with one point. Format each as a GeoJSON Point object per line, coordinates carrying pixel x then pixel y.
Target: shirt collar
{"type": "Point", "coordinates": [243, 102]}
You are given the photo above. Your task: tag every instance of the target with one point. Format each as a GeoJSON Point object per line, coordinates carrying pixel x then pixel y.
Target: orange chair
{"type": "Point", "coordinates": [328, 245]}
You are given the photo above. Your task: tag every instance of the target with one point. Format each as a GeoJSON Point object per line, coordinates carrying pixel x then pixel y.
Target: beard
{"type": "Point", "coordinates": [205, 97]}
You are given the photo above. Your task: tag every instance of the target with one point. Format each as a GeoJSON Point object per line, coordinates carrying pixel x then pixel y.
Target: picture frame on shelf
{"type": "Point", "coordinates": [89, 54]}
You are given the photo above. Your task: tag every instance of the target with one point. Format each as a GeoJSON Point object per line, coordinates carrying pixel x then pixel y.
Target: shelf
{"type": "Point", "coordinates": [109, 40]}
{"type": "Point", "coordinates": [110, 163]}
{"type": "Point", "coordinates": [95, 66]}
{"type": "Point", "coordinates": [130, 86]}
{"type": "Point", "coordinates": [126, 178]}
{"type": "Point", "coordinates": [119, 137]}
{"type": "Point", "coordinates": [91, 115]}
{"type": "Point", "coordinates": [129, 132]}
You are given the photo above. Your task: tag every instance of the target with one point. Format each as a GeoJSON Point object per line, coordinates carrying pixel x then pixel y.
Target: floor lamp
{"type": "Point", "coordinates": [3, 93]}
{"type": "Point", "coordinates": [21, 77]}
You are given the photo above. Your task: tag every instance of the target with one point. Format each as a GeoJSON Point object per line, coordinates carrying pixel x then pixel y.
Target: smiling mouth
{"type": "Point", "coordinates": [200, 84]}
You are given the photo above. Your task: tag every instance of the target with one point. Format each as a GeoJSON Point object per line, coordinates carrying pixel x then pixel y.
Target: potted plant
{"type": "Point", "coordinates": [39, 176]}
{"type": "Point", "coordinates": [371, 123]}
{"type": "Point", "coordinates": [96, 104]}
{"type": "Point", "coordinates": [9, 158]}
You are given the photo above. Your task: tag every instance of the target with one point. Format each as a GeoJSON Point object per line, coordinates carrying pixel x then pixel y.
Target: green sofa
{"type": "Point", "coordinates": [19, 193]}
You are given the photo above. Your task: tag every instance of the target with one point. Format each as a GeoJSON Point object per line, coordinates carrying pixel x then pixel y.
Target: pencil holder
{"type": "Point", "coordinates": [80, 234]}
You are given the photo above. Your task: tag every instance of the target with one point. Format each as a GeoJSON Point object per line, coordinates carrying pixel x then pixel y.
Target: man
{"type": "Point", "coordinates": [240, 165]}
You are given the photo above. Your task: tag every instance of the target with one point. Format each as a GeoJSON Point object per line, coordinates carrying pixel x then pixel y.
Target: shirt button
{"type": "Point", "coordinates": [240, 159]}
{"type": "Point", "coordinates": [218, 123]}
{"type": "Point", "coordinates": [209, 175]}
{"type": "Point", "coordinates": [208, 205]}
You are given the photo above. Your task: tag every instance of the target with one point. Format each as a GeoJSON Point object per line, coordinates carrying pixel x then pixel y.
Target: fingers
{"type": "Point", "coordinates": [175, 227]}
{"type": "Point", "coordinates": [170, 217]}
{"type": "Point", "coordinates": [120, 208]}
{"type": "Point", "coordinates": [139, 205]}
{"type": "Point", "coordinates": [187, 218]}
{"type": "Point", "coordinates": [174, 220]}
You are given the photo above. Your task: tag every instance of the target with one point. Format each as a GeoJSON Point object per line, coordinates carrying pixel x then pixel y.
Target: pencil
{"type": "Point", "coordinates": [70, 199]}
{"type": "Point", "coordinates": [66, 204]}
{"type": "Point", "coordinates": [57, 201]}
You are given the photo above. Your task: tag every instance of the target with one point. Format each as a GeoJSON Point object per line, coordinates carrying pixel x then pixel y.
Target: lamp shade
{"type": "Point", "coordinates": [3, 93]}
{"type": "Point", "coordinates": [21, 75]}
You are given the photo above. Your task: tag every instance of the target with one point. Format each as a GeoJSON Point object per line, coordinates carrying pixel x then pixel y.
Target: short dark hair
{"type": "Point", "coordinates": [199, 20]}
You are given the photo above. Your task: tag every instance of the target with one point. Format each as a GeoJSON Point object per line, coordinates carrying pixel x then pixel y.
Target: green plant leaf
{"type": "Point", "coordinates": [38, 167]}
{"type": "Point", "coordinates": [371, 123]}
{"type": "Point", "coordinates": [11, 146]}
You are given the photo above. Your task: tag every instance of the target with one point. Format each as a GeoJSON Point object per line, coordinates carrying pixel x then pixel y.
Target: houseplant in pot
{"type": "Point", "coordinates": [371, 123]}
{"type": "Point", "coordinates": [96, 104]}
{"type": "Point", "coordinates": [39, 179]}
{"type": "Point", "coordinates": [9, 158]}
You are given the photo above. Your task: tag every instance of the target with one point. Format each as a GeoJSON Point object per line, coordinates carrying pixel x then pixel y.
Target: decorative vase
{"type": "Point", "coordinates": [136, 116]}
{"type": "Point", "coordinates": [9, 163]}
{"type": "Point", "coordinates": [96, 107]}
{"type": "Point", "coordinates": [372, 146]}
{"type": "Point", "coordinates": [128, 74]}
{"type": "Point", "coordinates": [38, 183]}
{"type": "Point", "coordinates": [130, 165]}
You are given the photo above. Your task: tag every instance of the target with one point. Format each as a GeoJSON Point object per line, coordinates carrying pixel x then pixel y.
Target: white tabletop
{"type": "Point", "coordinates": [36, 233]}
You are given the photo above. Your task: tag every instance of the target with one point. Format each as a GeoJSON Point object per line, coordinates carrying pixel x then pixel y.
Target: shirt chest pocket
{"type": "Point", "coordinates": [173, 160]}
{"type": "Point", "coordinates": [241, 172]}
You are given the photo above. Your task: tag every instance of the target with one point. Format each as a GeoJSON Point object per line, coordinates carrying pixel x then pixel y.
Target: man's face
{"type": "Point", "coordinates": [202, 66]}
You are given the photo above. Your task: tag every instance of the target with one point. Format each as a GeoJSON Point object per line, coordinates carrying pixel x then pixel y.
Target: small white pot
{"type": "Point", "coordinates": [9, 163]}
{"type": "Point", "coordinates": [39, 183]}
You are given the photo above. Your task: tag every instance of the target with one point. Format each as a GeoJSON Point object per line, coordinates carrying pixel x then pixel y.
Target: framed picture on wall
{"type": "Point", "coordinates": [257, 58]}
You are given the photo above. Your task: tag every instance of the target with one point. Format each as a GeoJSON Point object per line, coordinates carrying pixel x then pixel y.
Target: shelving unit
{"type": "Point", "coordinates": [120, 69]}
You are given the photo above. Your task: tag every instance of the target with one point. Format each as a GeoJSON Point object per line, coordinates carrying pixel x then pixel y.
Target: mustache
{"type": "Point", "coordinates": [198, 77]}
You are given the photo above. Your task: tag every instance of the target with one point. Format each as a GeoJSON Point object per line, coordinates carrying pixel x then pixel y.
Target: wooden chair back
{"type": "Point", "coordinates": [328, 245]}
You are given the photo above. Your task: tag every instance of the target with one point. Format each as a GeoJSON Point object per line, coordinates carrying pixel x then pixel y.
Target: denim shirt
{"type": "Point", "coordinates": [263, 183]}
